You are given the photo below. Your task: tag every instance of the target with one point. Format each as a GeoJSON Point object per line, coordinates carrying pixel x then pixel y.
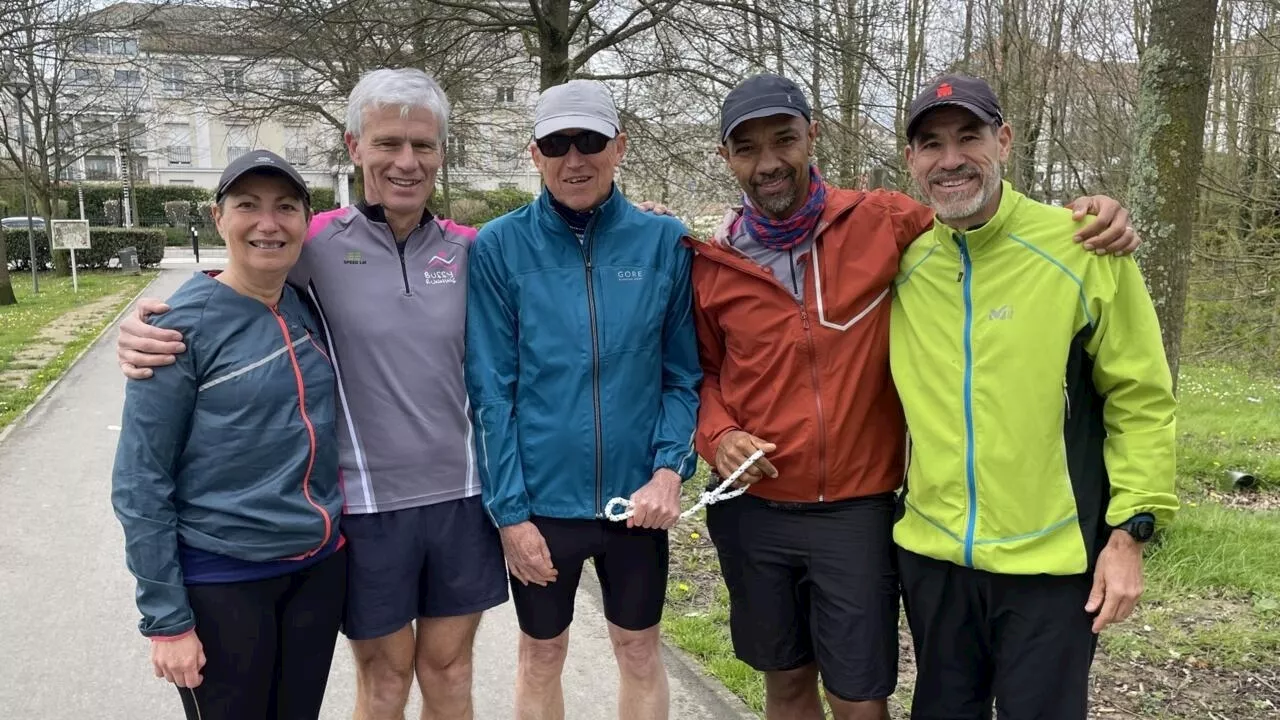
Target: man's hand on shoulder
{"type": "Point", "coordinates": [654, 207]}
{"type": "Point", "coordinates": [142, 346]}
{"type": "Point", "coordinates": [1110, 232]}
{"type": "Point", "coordinates": [657, 504]}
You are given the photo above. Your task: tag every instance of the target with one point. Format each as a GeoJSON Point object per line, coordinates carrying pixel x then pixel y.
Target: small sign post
{"type": "Point", "coordinates": [70, 235]}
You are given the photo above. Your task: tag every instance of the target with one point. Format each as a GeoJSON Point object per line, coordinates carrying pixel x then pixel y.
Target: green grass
{"type": "Point", "coordinates": [1227, 420]}
{"type": "Point", "coordinates": [1211, 611]}
{"type": "Point", "coordinates": [21, 323]}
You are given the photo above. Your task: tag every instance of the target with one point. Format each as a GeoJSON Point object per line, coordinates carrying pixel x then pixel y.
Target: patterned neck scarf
{"type": "Point", "coordinates": [788, 232]}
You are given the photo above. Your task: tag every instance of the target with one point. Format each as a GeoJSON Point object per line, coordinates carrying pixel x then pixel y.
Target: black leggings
{"type": "Point", "coordinates": [268, 644]}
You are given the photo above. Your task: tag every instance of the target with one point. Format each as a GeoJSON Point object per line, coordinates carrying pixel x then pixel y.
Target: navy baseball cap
{"type": "Point", "coordinates": [261, 161]}
{"type": "Point", "coordinates": [761, 96]}
{"type": "Point", "coordinates": [971, 93]}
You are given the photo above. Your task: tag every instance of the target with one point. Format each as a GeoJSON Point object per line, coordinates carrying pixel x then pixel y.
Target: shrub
{"type": "Point", "coordinates": [106, 242]}
{"type": "Point", "coordinates": [177, 213]}
{"type": "Point", "coordinates": [150, 199]}
{"type": "Point", "coordinates": [323, 199]}
{"type": "Point", "coordinates": [111, 211]}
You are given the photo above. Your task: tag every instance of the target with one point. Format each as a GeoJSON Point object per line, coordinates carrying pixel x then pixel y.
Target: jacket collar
{"type": "Point", "coordinates": [378, 214]}
{"type": "Point", "coordinates": [607, 213]}
{"type": "Point", "coordinates": [978, 239]}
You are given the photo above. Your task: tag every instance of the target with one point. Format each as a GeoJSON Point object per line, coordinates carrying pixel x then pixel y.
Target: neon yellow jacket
{"type": "Point", "coordinates": [1037, 394]}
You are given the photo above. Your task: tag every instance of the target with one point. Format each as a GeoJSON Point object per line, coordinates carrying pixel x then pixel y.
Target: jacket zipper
{"type": "Point", "coordinates": [311, 435]}
{"type": "Point", "coordinates": [404, 271]}
{"type": "Point", "coordinates": [966, 278]}
{"type": "Point", "coordinates": [586, 246]}
{"type": "Point", "coordinates": [752, 270]}
{"type": "Point", "coordinates": [817, 393]}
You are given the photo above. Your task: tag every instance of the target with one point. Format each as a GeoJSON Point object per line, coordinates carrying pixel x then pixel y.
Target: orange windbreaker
{"type": "Point", "coordinates": [811, 377]}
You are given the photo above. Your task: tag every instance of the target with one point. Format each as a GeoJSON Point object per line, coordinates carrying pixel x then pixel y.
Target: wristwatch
{"type": "Point", "coordinates": [1142, 527]}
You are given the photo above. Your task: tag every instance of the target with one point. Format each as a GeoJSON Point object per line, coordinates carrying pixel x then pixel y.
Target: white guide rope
{"type": "Point", "coordinates": [710, 497]}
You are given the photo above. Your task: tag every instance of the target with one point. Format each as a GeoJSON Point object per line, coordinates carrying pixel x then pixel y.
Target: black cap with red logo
{"type": "Point", "coordinates": [971, 93]}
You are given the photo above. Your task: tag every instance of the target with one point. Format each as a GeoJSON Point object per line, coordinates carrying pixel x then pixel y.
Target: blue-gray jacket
{"type": "Point", "coordinates": [582, 362]}
{"type": "Point", "coordinates": [231, 449]}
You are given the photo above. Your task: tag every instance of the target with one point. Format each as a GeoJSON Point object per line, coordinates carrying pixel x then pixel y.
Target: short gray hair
{"type": "Point", "coordinates": [406, 87]}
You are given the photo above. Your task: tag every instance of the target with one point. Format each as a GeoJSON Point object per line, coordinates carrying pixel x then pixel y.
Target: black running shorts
{"type": "Point", "coordinates": [813, 582]}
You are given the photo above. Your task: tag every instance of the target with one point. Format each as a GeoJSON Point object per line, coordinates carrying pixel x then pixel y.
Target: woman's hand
{"type": "Point", "coordinates": [179, 660]}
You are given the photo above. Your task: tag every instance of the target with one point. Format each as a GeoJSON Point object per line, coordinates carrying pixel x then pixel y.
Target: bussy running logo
{"type": "Point", "coordinates": [441, 270]}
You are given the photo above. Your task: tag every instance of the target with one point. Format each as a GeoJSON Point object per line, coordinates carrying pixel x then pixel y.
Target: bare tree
{"type": "Point", "coordinates": [74, 102]}
{"type": "Point", "coordinates": [1170, 135]}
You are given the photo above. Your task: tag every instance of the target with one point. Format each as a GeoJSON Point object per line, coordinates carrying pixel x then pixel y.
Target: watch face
{"type": "Point", "coordinates": [1143, 530]}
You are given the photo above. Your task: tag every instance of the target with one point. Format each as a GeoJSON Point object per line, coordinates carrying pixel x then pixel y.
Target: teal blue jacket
{"type": "Point", "coordinates": [582, 362]}
{"type": "Point", "coordinates": [231, 449]}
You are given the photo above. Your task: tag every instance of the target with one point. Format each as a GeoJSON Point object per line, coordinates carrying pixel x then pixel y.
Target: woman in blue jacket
{"type": "Point", "coordinates": [226, 479]}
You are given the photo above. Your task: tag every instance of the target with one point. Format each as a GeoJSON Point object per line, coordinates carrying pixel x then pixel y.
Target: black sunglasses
{"type": "Point", "coordinates": [588, 143]}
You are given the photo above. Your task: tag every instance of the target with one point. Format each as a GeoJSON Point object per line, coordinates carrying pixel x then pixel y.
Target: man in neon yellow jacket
{"type": "Point", "coordinates": [1041, 413]}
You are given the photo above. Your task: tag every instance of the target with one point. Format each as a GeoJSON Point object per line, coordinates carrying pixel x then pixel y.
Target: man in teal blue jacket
{"type": "Point", "coordinates": [582, 370]}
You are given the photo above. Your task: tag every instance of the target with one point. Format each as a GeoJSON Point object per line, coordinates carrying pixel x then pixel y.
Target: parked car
{"type": "Point", "coordinates": [20, 223]}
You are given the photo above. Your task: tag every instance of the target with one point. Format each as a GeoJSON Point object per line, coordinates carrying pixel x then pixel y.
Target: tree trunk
{"type": "Point", "coordinates": [1173, 94]}
{"type": "Point", "coordinates": [6, 285]}
{"type": "Point", "coordinates": [553, 45]}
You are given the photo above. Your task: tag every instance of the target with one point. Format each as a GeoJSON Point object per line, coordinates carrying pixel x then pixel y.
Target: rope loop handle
{"type": "Point", "coordinates": [709, 497]}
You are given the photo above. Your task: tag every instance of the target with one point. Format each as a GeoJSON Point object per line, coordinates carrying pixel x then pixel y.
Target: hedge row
{"type": "Point", "coordinates": [106, 242]}
{"type": "Point", "coordinates": [151, 201]}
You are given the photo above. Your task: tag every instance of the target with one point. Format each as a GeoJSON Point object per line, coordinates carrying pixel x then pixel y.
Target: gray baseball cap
{"type": "Point", "coordinates": [577, 104]}
{"type": "Point", "coordinates": [758, 96]}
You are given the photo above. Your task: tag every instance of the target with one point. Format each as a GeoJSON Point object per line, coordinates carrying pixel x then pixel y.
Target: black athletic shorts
{"type": "Point", "coordinates": [1024, 640]}
{"type": "Point", "coordinates": [630, 562]}
{"type": "Point", "coordinates": [431, 561]}
{"type": "Point", "coordinates": [813, 582]}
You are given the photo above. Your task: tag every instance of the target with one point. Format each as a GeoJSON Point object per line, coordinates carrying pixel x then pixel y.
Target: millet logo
{"type": "Point", "coordinates": [441, 270]}
{"type": "Point", "coordinates": [630, 275]}
{"type": "Point", "coordinates": [1004, 312]}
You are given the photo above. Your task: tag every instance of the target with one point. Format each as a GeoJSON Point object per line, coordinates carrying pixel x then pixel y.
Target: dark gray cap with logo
{"type": "Point", "coordinates": [261, 161]}
{"type": "Point", "coordinates": [760, 96]}
{"type": "Point", "coordinates": [964, 91]}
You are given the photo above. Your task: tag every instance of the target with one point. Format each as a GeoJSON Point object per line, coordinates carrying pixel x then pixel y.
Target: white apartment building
{"type": "Point", "coordinates": [195, 106]}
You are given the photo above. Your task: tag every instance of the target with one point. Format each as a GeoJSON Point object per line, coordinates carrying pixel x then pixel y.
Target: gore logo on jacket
{"type": "Point", "coordinates": [395, 322]}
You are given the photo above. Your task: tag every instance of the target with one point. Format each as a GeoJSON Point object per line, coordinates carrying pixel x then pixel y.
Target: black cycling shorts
{"type": "Point", "coordinates": [631, 565]}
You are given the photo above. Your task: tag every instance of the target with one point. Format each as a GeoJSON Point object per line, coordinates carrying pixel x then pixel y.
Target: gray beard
{"type": "Point", "coordinates": [778, 204]}
{"type": "Point", "coordinates": [961, 209]}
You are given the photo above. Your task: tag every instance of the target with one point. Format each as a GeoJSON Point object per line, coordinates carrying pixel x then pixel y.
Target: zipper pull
{"type": "Point", "coordinates": [960, 275]}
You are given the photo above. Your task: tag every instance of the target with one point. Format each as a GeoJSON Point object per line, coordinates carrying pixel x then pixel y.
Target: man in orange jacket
{"type": "Point", "coordinates": [792, 312]}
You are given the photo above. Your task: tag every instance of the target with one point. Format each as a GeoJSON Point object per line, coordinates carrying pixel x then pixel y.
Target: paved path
{"type": "Point", "coordinates": [68, 644]}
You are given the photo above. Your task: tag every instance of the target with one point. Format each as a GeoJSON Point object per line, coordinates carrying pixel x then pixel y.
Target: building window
{"type": "Point", "coordinates": [107, 46]}
{"type": "Point", "coordinates": [85, 76]}
{"type": "Point", "coordinates": [179, 147]}
{"type": "Point", "coordinates": [238, 142]}
{"type": "Point", "coordinates": [129, 78]}
{"type": "Point", "coordinates": [233, 81]}
{"type": "Point", "coordinates": [297, 155]}
{"type": "Point", "coordinates": [174, 77]}
{"type": "Point", "coordinates": [457, 152]}
{"type": "Point", "coordinates": [291, 80]}
{"type": "Point", "coordinates": [506, 94]}
{"type": "Point", "coordinates": [99, 167]}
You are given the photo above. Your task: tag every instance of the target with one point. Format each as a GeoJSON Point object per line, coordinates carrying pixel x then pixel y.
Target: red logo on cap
{"type": "Point", "coordinates": [944, 90]}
